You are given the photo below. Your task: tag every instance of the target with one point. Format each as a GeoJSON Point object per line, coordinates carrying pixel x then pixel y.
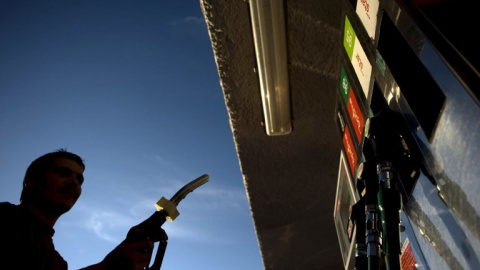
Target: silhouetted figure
{"type": "Point", "coordinates": [52, 185]}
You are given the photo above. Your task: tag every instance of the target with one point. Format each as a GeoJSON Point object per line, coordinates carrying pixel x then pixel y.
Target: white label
{"type": "Point", "coordinates": [367, 11]}
{"type": "Point", "coordinates": [362, 66]}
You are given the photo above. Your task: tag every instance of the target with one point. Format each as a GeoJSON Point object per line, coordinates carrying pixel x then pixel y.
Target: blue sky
{"type": "Point", "coordinates": [132, 87]}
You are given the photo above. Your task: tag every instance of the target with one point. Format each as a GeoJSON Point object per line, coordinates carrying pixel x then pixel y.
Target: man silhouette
{"type": "Point", "coordinates": [51, 187]}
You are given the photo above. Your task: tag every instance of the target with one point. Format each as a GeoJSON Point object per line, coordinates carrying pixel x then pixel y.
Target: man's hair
{"type": "Point", "coordinates": [39, 166]}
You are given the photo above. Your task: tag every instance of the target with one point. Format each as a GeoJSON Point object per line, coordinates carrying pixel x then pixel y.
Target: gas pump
{"type": "Point", "coordinates": [414, 159]}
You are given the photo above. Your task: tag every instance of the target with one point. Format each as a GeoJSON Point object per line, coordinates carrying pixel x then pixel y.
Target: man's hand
{"type": "Point", "coordinates": [129, 256]}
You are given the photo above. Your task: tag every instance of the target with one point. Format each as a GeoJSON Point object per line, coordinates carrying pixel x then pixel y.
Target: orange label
{"type": "Point", "coordinates": [350, 150]}
{"type": "Point", "coordinates": [355, 115]}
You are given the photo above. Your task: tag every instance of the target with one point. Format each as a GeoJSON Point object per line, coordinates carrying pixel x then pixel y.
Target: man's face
{"type": "Point", "coordinates": [62, 185]}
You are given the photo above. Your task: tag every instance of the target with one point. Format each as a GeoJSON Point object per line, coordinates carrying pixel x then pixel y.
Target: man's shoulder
{"type": "Point", "coordinates": [8, 208]}
{"type": "Point", "coordinates": [7, 205]}
{"type": "Point", "coordinates": [14, 219]}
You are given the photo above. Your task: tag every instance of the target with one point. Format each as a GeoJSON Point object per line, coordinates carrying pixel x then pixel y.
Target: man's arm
{"type": "Point", "coordinates": [131, 256]}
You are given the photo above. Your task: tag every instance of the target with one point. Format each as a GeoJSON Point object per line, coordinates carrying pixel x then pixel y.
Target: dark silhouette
{"type": "Point", "coordinates": [51, 187]}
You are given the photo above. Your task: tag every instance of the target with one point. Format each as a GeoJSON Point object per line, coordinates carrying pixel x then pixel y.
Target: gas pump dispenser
{"type": "Point", "coordinates": [387, 158]}
{"type": "Point", "coordinates": [408, 112]}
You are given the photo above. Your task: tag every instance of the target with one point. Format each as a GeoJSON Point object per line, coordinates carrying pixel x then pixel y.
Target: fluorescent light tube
{"type": "Point", "coordinates": [269, 34]}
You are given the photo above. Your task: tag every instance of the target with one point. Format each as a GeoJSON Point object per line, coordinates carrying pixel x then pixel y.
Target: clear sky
{"type": "Point", "coordinates": [133, 88]}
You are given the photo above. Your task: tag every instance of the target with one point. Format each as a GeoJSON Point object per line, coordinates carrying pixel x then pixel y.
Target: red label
{"type": "Point", "coordinates": [351, 154]}
{"type": "Point", "coordinates": [360, 63]}
{"type": "Point", "coordinates": [367, 7]}
{"type": "Point", "coordinates": [355, 115]}
{"type": "Point", "coordinates": [407, 259]}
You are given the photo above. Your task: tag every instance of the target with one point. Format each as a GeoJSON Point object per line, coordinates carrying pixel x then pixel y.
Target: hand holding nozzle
{"type": "Point", "coordinates": [166, 209]}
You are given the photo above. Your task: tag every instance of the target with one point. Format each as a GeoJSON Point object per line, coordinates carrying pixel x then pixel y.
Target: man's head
{"type": "Point", "coordinates": [54, 181]}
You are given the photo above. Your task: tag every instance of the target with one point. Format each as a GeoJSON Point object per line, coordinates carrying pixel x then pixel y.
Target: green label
{"type": "Point", "coordinates": [349, 38]}
{"type": "Point", "coordinates": [380, 63]}
{"type": "Point", "coordinates": [344, 85]}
